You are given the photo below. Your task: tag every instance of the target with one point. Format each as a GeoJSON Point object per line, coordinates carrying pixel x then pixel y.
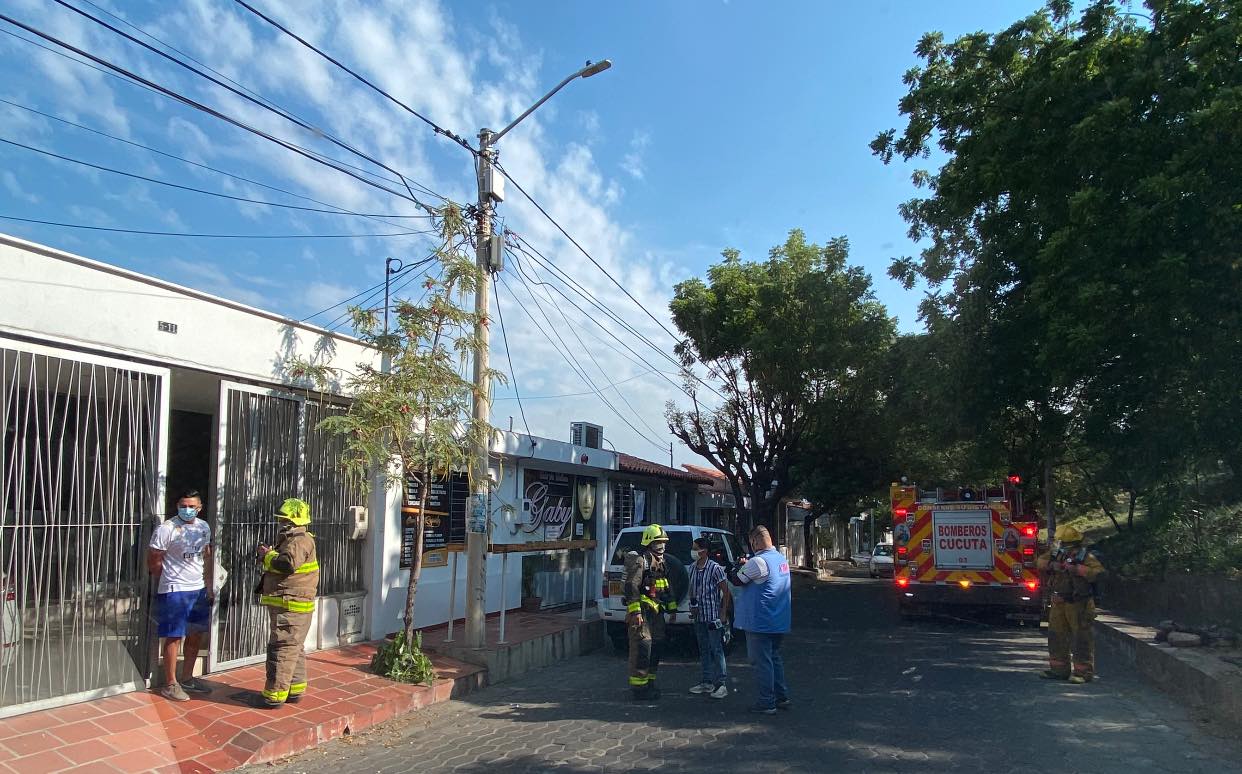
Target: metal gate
{"type": "Point", "coordinates": [81, 470]}
{"type": "Point", "coordinates": [269, 450]}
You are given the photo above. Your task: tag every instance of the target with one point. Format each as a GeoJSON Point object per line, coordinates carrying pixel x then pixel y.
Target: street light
{"type": "Point", "coordinates": [488, 251]}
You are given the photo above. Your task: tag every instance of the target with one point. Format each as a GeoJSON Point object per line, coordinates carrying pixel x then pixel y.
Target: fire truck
{"type": "Point", "coordinates": [959, 548]}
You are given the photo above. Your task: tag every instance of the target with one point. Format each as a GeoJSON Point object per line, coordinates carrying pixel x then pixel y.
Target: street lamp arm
{"type": "Point", "coordinates": [585, 72]}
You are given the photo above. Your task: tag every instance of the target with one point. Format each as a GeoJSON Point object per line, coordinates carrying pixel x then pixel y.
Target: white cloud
{"type": "Point", "coordinates": [210, 278]}
{"type": "Point", "coordinates": [633, 163]}
{"type": "Point", "coordinates": [14, 188]}
{"type": "Point", "coordinates": [435, 58]}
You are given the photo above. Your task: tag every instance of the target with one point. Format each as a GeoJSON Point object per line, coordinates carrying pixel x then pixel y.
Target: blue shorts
{"type": "Point", "coordinates": [177, 611]}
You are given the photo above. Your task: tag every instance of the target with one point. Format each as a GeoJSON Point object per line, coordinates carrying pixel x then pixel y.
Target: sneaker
{"type": "Point", "coordinates": [759, 709]}
{"type": "Point", "coordinates": [191, 685]}
{"type": "Point", "coordinates": [174, 692]}
{"type": "Point", "coordinates": [702, 688]}
{"type": "Point", "coordinates": [784, 703]}
{"type": "Point", "coordinates": [720, 691]}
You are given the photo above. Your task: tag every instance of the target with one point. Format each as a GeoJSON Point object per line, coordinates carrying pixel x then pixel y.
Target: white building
{"type": "Point", "coordinates": [118, 391]}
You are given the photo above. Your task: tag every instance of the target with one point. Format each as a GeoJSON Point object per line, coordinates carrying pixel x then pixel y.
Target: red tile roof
{"type": "Point", "coordinates": [630, 464]}
{"type": "Point", "coordinates": [702, 471]}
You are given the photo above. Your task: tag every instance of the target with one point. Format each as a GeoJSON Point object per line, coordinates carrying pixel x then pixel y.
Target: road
{"type": "Point", "coordinates": [871, 692]}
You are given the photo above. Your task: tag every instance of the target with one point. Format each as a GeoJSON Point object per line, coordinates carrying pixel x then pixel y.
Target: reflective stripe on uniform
{"type": "Point", "coordinates": [651, 603]}
{"type": "Point", "coordinates": [671, 607]}
{"type": "Point", "coordinates": [634, 607]}
{"type": "Point", "coordinates": [661, 583]}
{"type": "Point", "coordinates": [293, 606]}
{"type": "Point", "coordinates": [275, 696]}
{"type": "Point", "coordinates": [270, 556]}
{"type": "Point", "coordinates": [297, 689]}
{"type": "Point", "coordinates": [639, 681]}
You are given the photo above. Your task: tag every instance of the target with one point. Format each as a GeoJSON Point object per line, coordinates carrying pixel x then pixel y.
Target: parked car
{"type": "Point", "coordinates": [724, 546]}
{"type": "Point", "coordinates": [881, 560]}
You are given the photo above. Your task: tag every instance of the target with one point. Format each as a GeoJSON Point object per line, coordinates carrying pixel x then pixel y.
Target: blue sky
{"type": "Point", "coordinates": [719, 125]}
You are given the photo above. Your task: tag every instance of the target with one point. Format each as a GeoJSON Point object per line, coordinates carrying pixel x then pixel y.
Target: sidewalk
{"type": "Point", "coordinates": [1196, 677]}
{"type": "Point", "coordinates": [141, 732]}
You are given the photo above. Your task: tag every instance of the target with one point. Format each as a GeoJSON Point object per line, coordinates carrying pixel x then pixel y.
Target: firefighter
{"type": "Point", "coordinates": [648, 596]}
{"type": "Point", "coordinates": [288, 589]}
{"type": "Point", "coordinates": [1071, 572]}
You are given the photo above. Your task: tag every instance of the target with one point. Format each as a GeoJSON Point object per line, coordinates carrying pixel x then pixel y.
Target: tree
{"type": "Point", "coordinates": [1080, 237]}
{"type": "Point", "coordinates": [410, 417]}
{"type": "Point", "coordinates": [776, 337]}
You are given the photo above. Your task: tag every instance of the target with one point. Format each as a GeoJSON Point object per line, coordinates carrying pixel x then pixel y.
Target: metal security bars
{"type": "Point", "coordinates": [330, 493]}
{"type": "Point", "coordinates": [260, 448]}
{"type": "Point", "coordinates": [271, 449]}
{"type": "Point", "coordinates": [80, 468]}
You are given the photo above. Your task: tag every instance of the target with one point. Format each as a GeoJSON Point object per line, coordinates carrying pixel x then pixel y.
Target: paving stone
{"type": "Point", "coordinates": [978, 707]}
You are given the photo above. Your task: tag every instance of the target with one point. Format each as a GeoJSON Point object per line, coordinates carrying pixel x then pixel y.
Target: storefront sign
{"type": "Point", "coordinates": [557, 507]}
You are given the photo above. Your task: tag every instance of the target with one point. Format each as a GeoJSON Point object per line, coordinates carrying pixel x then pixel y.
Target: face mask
{"type": "Point", "coordinates": [187, 513]}
{"type": "Point", "coordinates": [658, 548]}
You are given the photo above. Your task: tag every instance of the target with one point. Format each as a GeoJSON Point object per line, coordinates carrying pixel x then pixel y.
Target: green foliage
{"type": "Point", "coordinates": [789, 343]}
{"type": "Point", "coordinates": [410, 414]}
{"type": "Point", "coordinates": [1194, 539]}
{"type": "Point", "coordinates": [1080, 239]}
{"type": "Point", "coordinates": [404, 661]}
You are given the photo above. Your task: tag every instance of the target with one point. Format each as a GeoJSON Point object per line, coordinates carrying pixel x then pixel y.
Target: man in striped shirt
{"type": "Point", "coordinates": [710, 607]}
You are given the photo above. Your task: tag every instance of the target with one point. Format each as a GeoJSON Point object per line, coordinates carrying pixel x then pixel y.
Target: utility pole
{"type": "Point", "coordinates": [488, 251]}
{"type": "Point", "coordinates": [476, 533]}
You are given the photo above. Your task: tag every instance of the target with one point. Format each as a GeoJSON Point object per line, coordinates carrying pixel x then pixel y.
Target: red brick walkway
{"type": "Point", "coordinates": [139, 732]}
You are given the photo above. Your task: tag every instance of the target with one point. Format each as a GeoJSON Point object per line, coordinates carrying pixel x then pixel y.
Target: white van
{"type": "Point", "coordinates": [724, 547]}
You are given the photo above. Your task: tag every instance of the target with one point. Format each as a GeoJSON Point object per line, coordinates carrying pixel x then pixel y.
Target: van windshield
{"type": "Point", "coordinates": [678, 545]}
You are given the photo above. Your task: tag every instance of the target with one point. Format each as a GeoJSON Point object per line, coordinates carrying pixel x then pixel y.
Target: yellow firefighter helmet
{"type": "Point", "coordinates": [1067, 534]}
{"type": "Point", "coordinates": [653, 533]}
{"type": "Point", "coordinates": [295, 511]}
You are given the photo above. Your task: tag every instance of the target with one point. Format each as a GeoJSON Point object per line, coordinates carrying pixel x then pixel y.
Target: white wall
{"type": "Point", "coordinates": [515, 453]}
{"type": "Point", "coordinates": [61, 297]}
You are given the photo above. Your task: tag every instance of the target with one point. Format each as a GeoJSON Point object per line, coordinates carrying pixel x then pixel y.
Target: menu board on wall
{"type": "Point", "coordinates": [444, 524]}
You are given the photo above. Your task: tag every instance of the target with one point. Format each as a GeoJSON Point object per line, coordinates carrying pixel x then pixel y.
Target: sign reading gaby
{"type": "Point", "coordinates": [548, 505]}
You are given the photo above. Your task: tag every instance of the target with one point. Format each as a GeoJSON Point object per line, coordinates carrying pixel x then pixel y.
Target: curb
{"type": "Point", "coordinates": [1191, 676]}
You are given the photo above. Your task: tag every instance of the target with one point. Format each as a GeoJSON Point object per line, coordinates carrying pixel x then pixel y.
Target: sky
{"type": "Point", "coordinates": [720, 125]}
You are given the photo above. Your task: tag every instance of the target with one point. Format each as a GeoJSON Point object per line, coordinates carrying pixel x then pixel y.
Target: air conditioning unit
{"type": "Point", "coordinates": [586, 434]}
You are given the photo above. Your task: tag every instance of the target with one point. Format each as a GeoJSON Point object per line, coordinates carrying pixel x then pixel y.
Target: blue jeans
{"type": "Point", "coordinates": [765, 657]}
{"type": "Point", "coordinates": [711, 653]}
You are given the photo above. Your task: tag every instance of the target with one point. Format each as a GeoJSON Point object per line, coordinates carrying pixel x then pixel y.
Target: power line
{"type": "Point", "coordinates": [379, 217]}
{"type": "Point", "coordinates": [435, 127]}
{"type": "Point", "coordinates": [581, 394]}
{"type": "Point", "coordinates": [209, 110]}
{"type": "Point", "coordinates": [583, 250]}
{"type": "Point", "coordinates": [402, 270]}
{"type": "Point", "coordinates": [637, 358]}
{"type": "Point", "coordinates": [563, 351]}
{"type": "Point", "coordinates": [318, 156]}
{"type": "Point", "coordinates": [574, 330]}
{"type": "Point", "coordinates": [178, 186]}
{"type": "Point", "coordinates": [259, 102]}
{"type": "Point", "coordinates": [206, 236]}
{"type": "Point", "coordinates": [575, 286]}
{"type": "Point", "coordinates": [509, 356]}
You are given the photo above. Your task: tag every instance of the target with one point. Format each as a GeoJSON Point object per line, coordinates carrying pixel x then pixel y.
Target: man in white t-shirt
{"type": "Point", "coordinates": [180, 550]}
